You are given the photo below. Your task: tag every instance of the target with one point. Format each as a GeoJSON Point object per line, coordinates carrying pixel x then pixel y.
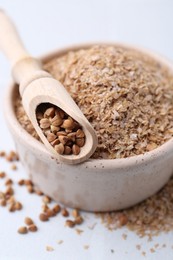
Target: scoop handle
{"type": "Point", "coordinates": [10, 42]}
{"type": "Point", "coordinates": [24, 68]}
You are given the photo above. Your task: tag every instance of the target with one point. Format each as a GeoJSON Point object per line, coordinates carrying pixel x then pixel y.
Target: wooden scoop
{"type": "Point", "coordinates": [38, 86]}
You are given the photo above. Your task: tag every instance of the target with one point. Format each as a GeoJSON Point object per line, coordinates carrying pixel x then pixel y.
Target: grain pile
{"type": "Point", "coordinates": [149, 218]}
{"type": "Point", "coordinates": [127, 97]}
{"type": "Point", "coordinates": [62, 131]}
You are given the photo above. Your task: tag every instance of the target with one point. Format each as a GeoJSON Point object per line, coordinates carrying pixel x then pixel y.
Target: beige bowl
{"type": "Point", "coordinates": [96, 185]}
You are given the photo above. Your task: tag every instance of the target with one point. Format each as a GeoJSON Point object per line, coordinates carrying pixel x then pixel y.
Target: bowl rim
{"type": "Point", "coordinates": [36, 145]}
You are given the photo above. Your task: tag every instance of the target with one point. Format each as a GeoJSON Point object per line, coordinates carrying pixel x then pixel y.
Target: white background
{"type": "Point", "coordinates": [48, 25]}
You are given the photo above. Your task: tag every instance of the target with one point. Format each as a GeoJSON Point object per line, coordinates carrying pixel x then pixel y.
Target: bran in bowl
{"type": "Point", "coordinates": [126, 95]}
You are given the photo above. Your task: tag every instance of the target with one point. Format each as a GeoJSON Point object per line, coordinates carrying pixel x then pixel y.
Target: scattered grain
{"type": "Point", "coordinates": [3, 202]}
{"type": "Point", "coordinates": [50, 213]}
{"type": "Point", "coordinates": [49, 248]}
{"type": "Point", "coordinates": [43, 217]}
{"type": "Point", "coordinates": [21, 182]}
{"type": "Point", "coordinates": [28, 182]}
{"type": "Point", "coordinates": [12, 207]}
{"type": "Point", "coordinates": [2, 175]}
{"type": "Point", "coordinates": [60, 242]}
{"type": "Point", "coordinates": [46, 199]}
{"type": "Point", "coordinates": [70, 223]}
{"type": "Point", "coordinates": [32, 228]}
{"type": "Point", "coordinates": [152, 250]}
{"type": "Point", "coordinates": [11, 200]}
{"type": "Point", "coordinates": [91, 227]}
{"type": "Point", "coordinates": [2, 195]}
{"type": "Point", "coordinates": [2, 154]}
{"type": "Point", "coordinates": [30, 188]}
{"type": "Point", "coordinates": [22, 230]}
{"type": "Point", "coordinates": [138, 247]}
{"type": "Point", "coordinates": [148, 218]}
{"type": "Point", "coordinates": [18, 205]}
{"type": "Point", "coordinates": [13, 167]}
{"type": "Point", "coordinates": [56, 208]}
{"type": "Point", "coordinates": [86, 247]}
{"type": "Point", "coordinates": [28, 221]}
{"type": "Point", "coordinates": [124, 236]}
{"type": "Point", "coordinates": [75, 213]}
{"type": "Point", "coordinates": [45, 208]}
{"type": "Point", "coordinates": [9, 191]}
{"type": "Point", "coordinates": [156, 245]}
{"type": "Point", "coordinates": [8, 182]}
{"type": "Point", "coordinates": [123, 219]}
{"type": "Point", "coordinates": [39, 192]}
{"type": "Point", "coordinates": [12, 156]}
{"type": "Point", "coordinates": [79, 220]}
{"type": "Point", "coordinates": [64, 212]}
{"type": "Point", "coordinates": [79, 231]}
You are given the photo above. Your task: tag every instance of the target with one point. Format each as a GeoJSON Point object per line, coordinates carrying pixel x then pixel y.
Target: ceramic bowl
{"type": "Point", "coordinates": [95, 185]}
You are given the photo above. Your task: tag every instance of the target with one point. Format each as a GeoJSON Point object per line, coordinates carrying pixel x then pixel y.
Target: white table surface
{"type": "Point", "coordinates": [48, 25]}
